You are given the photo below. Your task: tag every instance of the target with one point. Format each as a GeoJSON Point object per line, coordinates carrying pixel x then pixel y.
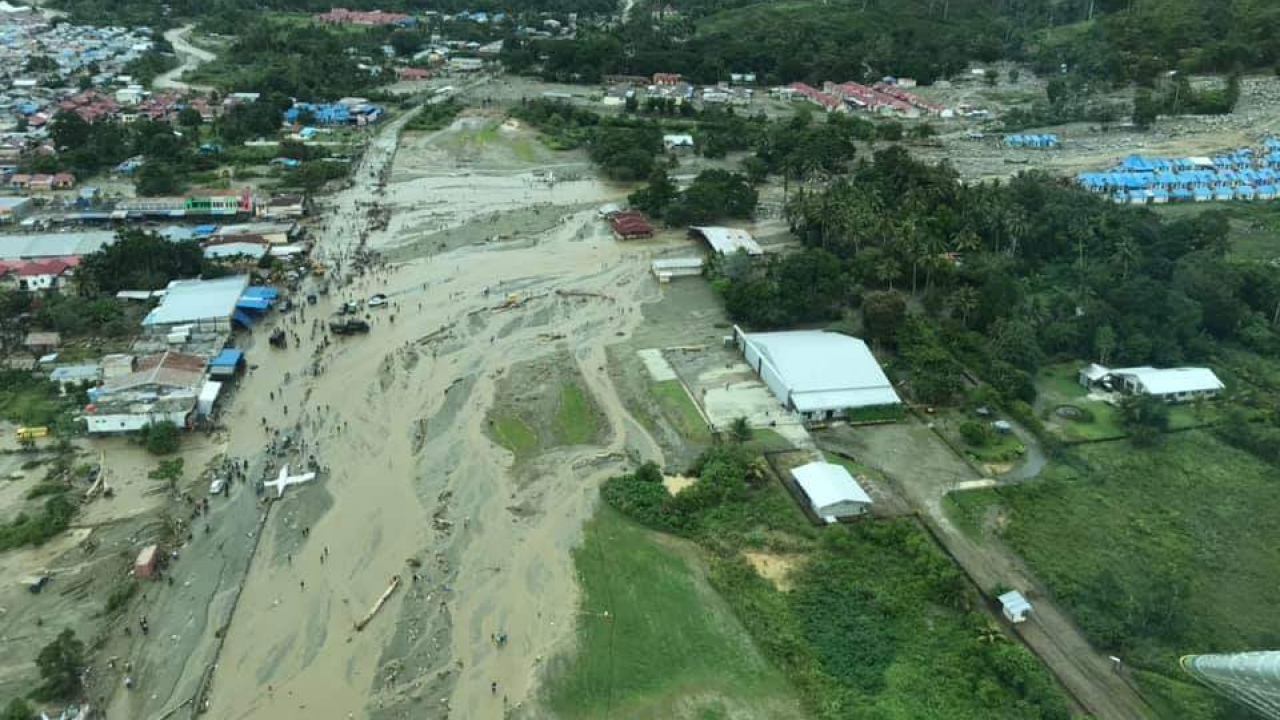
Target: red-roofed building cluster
{"type": "Point", "coordinates": [631, 224]}
{"type": "Point", "coordinates": [42, 183]}
{"type": "Point", "coordinates": [666, 78]}
{"type": "Point", "coordinates": [881, 99]}
{"type": "Point", "coordinates": [826, 101]}
{"type": "Point", "coordinates": [894, 91]}
{"type": "Point", "coordinates": [344, 16]}
{"type": "Point", "coordinates": [91, 105]}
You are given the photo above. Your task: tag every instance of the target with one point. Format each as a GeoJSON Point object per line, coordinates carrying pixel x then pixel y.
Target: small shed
{"type": "Point", "coordinates": [831, 490]}
{"type": "Point", "coordinates": [208, 397]}
{"type": "Point", "coordinates": [1015, 606]}
{"type": "Point", "coordinates": [145, 565]}
{"type": "Point", "coordinates": [42, 342]}
{"type": "Point", "coordinates": [227, 363]}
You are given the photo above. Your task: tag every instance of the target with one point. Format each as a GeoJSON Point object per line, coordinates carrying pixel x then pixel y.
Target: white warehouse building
{"type": "Point", "coordinates": [832, 492]}
{"type": "Point", "coordinates": [820, 375]}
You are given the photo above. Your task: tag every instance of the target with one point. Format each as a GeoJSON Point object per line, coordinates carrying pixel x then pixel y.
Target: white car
{"type": "Point", "coordinates": [216, 486]}
{"type": "Point", "coordinates": [378, 300]}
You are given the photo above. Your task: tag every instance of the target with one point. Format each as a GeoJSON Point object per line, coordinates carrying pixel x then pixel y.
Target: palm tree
{"type": "Point", "coordinates": [1016, 225]}
{"type": "Point", "coordinates": [886, 271]}
{"type": "Point", "coordinates": [965, 300]}
{"type": "Point", "coordinates": [1126, 254]}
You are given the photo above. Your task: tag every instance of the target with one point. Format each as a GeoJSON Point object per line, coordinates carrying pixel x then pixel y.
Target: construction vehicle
{"type": "Point", "coordinates": [348, 326]}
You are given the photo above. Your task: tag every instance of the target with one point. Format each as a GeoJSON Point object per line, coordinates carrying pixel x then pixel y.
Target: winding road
{"type": "Point", "coordinates": [191, 57]}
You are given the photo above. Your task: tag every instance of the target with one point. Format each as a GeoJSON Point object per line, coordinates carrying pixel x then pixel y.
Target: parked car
{"type": "Point", "coordinates": [378, 300]}
{"type": "Point", "coordinates": [217, 485]}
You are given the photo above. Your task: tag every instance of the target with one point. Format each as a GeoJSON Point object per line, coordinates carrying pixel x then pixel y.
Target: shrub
{"type": "Point", "coordinates": [61, 663]}
{"type": "Point", "coordinates": [974, 433]}
{"type": "Point", "coordinates": [162, 438]}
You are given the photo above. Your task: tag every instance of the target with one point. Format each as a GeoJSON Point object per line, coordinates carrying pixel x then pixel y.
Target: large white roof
{"type": "Point", "coordinates": [192, 300]}
{"type": "Point", "coordinates": [827, 484]}
{"type": "Point", "coordinates": [728, 240]}
{"type": "Point", "coordinates": [1170, 381]}
{"type": "Point", "coordinates": [825, 370]}
{"type": "Point", "coordinates": [48, 245]}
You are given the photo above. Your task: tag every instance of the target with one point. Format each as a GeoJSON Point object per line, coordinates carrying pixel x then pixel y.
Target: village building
{"type": "Point", "coordinates": [630, 224]}
{"type": "Point", "coordinates": [832, 492]}
{"type": "Point", "coordinates": [1175, 385]}
{"type": "Point", "coordinates": [820, 375]}
{"type": "Point", "coordinates": [163, 388]}
{"type": "Point", "coordinates": [677, 142]}
{"type": "Point", "coordinates": [13, 209]}
{"type": "Point", "coordinates": [197, 305]}
{"type": "Point", "coordinates": [667, 268]}
{"type": "Point", "coordinates": [727, 241]}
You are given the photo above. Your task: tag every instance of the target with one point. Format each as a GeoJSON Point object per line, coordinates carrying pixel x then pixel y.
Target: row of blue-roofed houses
{"type": "Point", "coordinates": [1240, 174]}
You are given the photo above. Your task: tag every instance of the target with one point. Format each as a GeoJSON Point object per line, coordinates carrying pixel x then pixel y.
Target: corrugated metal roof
{"type": "Point", "coordinates": [825, 370]}
{"type": "Point", "coordinates": [1171, 381]}
{"type": "Point", "coordinates": [727, 241]}
{"type": "Point", "coordinates": [827, 484]}
{"type": "Point", "coordinates": [192, 300]}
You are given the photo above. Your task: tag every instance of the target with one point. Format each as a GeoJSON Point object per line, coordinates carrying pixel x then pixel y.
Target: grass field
{"type": "Point", "coordinates": [1171, 550]}
{"type": "Point", "coordinates": [679, 409]}
{"type": "Point", "coordinates": [670, 648]}
{"type": "Point", "coordinates": [1057, 385]}
{"type": "Point", "coordinates": [576, 421]}
{"type": "Point", "coordinates": [512, 433]}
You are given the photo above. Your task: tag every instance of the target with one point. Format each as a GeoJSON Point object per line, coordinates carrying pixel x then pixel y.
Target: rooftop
{"type": "Point", "coordinates": [825, 370]}
{"type": "Point", "coordinates": [192, 300]}
{"type": "Point", "coordinates": [827, 484]}
{"type": "Point", "coordinates": [728, 240]}
{"type": "Point", "coordinates": [1170, 381]}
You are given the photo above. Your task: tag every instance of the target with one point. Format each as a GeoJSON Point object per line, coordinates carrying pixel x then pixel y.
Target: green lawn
{"type": "Point", "coordinates": [668, 647]}
{"type": "Point", "coordinates": [1156, 552]}
{"type": "Point", "coordinates": [576, 421]}
{"type": "Point", "coordinates": [512, 433]}
{"type": "Point", "coordinates": [679, 409]}
{"type": "Point", "coordinates": [766, 440]}
{"type": "Point", "coordinates": [1057, 385]}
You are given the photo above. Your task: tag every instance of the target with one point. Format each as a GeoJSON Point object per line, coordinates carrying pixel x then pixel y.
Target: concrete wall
{"type": "Point", "coordinates": [132, 422]}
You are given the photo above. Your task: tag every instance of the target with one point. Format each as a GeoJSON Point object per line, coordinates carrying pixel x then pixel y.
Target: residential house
{"type": "Point", "coordinates": [1173, 385]}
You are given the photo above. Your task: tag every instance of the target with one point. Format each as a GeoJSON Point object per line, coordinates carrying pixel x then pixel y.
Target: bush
{"type": "Point", "coordinates": [33, 530]}
{"type": "Point", "coordinates": [162, 438]}
{"type": "Point", "coordinates": [120, 597]}
{"type": "Point", "coordinates": [61, 663]}
{"type": "Point", "coordinates": [974, 433]}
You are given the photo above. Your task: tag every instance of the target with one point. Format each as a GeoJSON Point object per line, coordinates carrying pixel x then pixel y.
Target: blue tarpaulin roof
{"type": "Point", "coordinates": [252, 303]}
{"type": "Point", "coordinates": [240, 317]}
{"type": "Point", "coordinates": [230, 357]}
{"type": "Point", "coordinates": [265, 292]}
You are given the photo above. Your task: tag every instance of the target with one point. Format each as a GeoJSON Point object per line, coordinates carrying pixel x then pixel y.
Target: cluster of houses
{"type": "Point", "coordinates": [1240, 174]}
{"type": "Point", "coordinates": [671, 86]}
{"type": "Point", "coordinates": [1037, 141]}
{"type": "Point", "coordinates": [346, 111]}
{"type": "Point", "coordinates": [887, 97]}
{"type": "Point", "coordinates": [47, 262]}
{"type": "Point", "coordinates": [370, 18]}
{"type": "Point", "coordinates": [33, 90]}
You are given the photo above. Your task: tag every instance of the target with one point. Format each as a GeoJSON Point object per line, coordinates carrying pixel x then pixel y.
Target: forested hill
{"type": "Point", "coordinates": [1120, 41]}
{"type": "Point", "coordinates": [1116, 40]}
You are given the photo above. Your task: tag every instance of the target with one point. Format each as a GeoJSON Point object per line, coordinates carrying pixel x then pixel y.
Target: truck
{"type": "Point", "coordinates": [348, 326]}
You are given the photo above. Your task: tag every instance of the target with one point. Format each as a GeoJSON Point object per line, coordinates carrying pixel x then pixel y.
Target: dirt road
{"type": "Point", "coordinates": [190, 57]}
{"type": "Point", "coordinates": [411, 484]}
{"type": "Point", "coordinates": [925, 470]}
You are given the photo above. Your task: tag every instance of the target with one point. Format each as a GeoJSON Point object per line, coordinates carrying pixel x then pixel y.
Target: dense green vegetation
{"type": "Point", "coordinates": [435, 116]}
{"type": "Point", "coordinates": [23, 530]}
{"type": "Point", "coordinates": [653, 640]}
{"type": "Point", "coordinates": [1113, 41]}
{"type": "Point", "coordinates": [139, 259]}
{"type": "Point", "coordinates": [875, 619]}
{"type": "Point", "coordinates": [1007, 275]}
{"type": "Point", "coordinates": [62, 664]}
{"type": "Point", "coordinates": [1170, 552]}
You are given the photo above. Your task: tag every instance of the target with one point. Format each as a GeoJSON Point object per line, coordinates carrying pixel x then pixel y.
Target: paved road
{"type": "Point", "coordinates": [191, 57]}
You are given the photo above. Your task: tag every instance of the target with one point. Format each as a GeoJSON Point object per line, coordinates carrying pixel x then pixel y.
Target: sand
{"type": "Point", "coordinates": [412, 485]}
{"type": "Point", "coordinates": [774, 568]}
